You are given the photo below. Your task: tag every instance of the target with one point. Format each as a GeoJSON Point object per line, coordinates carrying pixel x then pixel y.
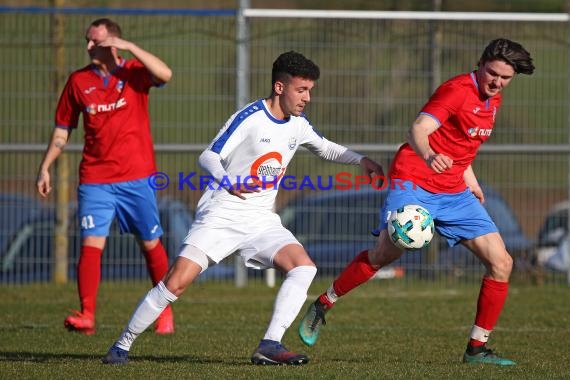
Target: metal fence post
{"type": "Point", "coordinates": [61, 239]}
{"type": "Point", "coordinates": [242, 96]}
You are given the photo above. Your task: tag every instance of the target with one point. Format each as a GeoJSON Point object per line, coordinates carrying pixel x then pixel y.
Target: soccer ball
{"type": "Point", "coordinates": [411, 227]}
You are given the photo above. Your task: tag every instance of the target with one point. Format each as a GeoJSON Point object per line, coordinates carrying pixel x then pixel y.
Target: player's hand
{"type": "Point", "coordinates": [478, 192]}
{"type": "Point", "coordinates": [373, 170]}
{"type": "Point", "coordinates": [239, 189]}
{"type": "Point", "coordinates": [43, 183]}
{"type": "Point", "coordinates": [115, 42]}
{"type": "Point", "coordinates": [439, 162]}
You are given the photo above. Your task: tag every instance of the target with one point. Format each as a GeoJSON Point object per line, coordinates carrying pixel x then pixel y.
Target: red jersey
{"type": "Point", "coordinates": [118, 143]}
{"type": "Point", "coordinates": [466, 120]}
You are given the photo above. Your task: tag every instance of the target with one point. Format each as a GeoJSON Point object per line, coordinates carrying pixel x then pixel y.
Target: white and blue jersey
{"type": "Point", "coordinates": [252, 147]}
{"type": "Point", "coordinates": [255, 147]}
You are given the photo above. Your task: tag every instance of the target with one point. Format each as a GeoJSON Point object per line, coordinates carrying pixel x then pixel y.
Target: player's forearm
{"type": "Point", "coordinates": [211, 162]}
{"type": "Point", "coordinates": [56, 145]}
{"type": "Point", "coordinates": [153, 64]}
{"type": "Point", "coordinates": [418, 136]}
{"type": "Point", "coordinates": [331, 151]}
{"type": "Point", "coordinates": [470, 178]}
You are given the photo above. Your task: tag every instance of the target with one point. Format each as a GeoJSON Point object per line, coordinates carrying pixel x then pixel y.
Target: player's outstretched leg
{"type": "Point", "coordinates": [148, 310]}
{"type": "Point", "coordinates": [270, 352]}
{"type": "Point", "coordinates": [357, 272]}
{"type": "Point", "coordinates": [157, 265]}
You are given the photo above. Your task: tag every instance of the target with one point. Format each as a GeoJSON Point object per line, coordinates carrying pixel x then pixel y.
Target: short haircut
{"type": "Point", "coordinates": [112, 27]}
{"type": "Point", "coordinates": [293, 64]}
{"type": "Point", "coordinates": [509, 52]}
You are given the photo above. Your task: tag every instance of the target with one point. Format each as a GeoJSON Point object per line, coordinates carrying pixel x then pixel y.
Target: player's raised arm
{"type": "Point", "coordinates": [157, 68]}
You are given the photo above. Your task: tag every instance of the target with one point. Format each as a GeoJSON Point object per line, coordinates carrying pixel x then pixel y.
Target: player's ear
{"type": "Point", "coordinates": [278, 87]}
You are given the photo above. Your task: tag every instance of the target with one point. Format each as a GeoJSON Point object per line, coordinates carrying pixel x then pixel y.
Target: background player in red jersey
{"type": "Point", "coordinates": [435, 166]}
{"type": "Point", "coordinates": [111, 94]}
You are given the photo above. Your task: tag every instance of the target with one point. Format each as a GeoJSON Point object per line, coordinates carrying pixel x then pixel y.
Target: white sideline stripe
{"type": "Point", "coordinates": [404, 15]}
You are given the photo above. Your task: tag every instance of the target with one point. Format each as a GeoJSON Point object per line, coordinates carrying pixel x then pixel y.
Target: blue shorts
{"type": "Point", "coordinates": [457, 216]}
{"type": "Point", "coordinates": [132, 202]}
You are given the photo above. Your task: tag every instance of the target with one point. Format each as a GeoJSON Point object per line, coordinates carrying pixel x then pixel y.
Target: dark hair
{"type": "Point", "coordinates": [294, 64]}
{"type": "Point", "coordinates": [510, 52]}
{"type": "Point", "coordinates": [112, 27]}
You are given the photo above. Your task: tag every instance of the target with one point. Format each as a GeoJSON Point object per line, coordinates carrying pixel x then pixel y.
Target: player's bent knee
{"type": "Point", "coordinates": [502, 267]}
{"type": "Point", "coordinates": [195, 255]}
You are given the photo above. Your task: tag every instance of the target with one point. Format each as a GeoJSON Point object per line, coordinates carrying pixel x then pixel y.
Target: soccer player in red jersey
{"type": "Point", "coordinates": [433, 170]}
{"type": "Point", "coordinates": [111, 94]}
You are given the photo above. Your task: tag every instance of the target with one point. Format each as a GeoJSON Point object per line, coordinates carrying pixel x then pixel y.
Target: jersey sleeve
{"type": "Point", "coordinates": [326, 149]}
{"type": "Point", "coordinates": [68, 107]}
{"type": "Point", "coordinates": [445, 102]}
{"type": "Point", "coordinates": [139, 76]}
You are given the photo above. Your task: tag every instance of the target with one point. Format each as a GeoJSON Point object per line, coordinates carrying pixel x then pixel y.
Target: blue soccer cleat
{"type": "Point", "coordinates": [116, 355]}
{"type": "Point", "coordinates": [311, 323]}
{"type": "Point", "coordinates": [486, 356]}
{"type": "Point", "coordinates": [271, 352]}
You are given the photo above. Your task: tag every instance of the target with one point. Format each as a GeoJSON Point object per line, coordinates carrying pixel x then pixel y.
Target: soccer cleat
{"type": "Point", "coordinates": [271, 352]}
{"type": "Point", "coordinates": [116, 355]}
{"type": "Point", "coordinates": [486, 356]}
{"type": "Point", "coordinates": [165, 322]}
{"type": "Point", "coordinates": [80, 322]}
{"type": "Point", "coordinates": [311, 323]}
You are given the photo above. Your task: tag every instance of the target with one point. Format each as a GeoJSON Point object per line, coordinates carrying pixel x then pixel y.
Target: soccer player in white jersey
{"type": "Point", "coordinates": [247, 159]}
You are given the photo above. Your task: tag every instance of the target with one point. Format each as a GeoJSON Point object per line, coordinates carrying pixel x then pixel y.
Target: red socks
{"type": "Point", "coordinates": [492, 297]}
{"type": "Point", "coordinates": [357, 272]}
{"type": "Point", "coordinates": [88, 278]}
{"type": "Point", "coordinates": [156, 263]}
{"type": "Point", "coordinates": [89, 273]}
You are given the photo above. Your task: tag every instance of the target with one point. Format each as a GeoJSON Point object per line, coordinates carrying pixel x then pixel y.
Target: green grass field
{"type": "Point", "coordinates": [382, 330]}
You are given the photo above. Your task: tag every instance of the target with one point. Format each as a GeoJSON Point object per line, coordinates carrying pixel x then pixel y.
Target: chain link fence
{"type": "Point", "coordinates": [377, 70]}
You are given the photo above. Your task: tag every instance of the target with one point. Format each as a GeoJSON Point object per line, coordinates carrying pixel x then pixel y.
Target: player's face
{"type": "Point", "coordinates": [493, 76]}
{"type": "Point", "coordinates": [295, 94]}
{"type": "Point", "coordinates": [94, 36]}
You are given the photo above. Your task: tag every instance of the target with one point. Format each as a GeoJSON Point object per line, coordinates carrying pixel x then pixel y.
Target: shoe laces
{"type": "Point", "coordinates": [273, 346]}
{"type": "Point", "coordinates": [319, 316]}
{"type": "Point", "coordinates": [489, 352]}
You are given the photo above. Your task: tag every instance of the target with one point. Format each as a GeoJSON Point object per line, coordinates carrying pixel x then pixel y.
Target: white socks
{"type": "Point", "coordinates": [148, 310]}
{"type": "Point", "coordinates": [289, 300]}
{"type": "Point", "coordinates": [480, 334]}
{"type": "Point", "coordinates": [331, 295]}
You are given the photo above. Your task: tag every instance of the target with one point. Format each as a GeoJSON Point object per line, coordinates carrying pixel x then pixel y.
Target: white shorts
{"type": "Point", "coordinates": [257, 237]}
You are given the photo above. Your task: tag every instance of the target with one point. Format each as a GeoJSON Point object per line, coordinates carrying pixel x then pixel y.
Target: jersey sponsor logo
{"type": "Point", "coordinates": [93, 108]}
{"type": "Point", "coordinates": [476, 131]}
{"type": "Point", "coordinates": [265, 140]}
{"type": "Point", "coordinates": [476, 109]}
{"type": "Point", "coordinates": [267, 170]}
{"type": "Point", "coordinates": [153, 229]}
{"type": "Point", "coordinates": [89, 90]}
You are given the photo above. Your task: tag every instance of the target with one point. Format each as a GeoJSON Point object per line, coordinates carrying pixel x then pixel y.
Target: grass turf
{"type": "Point", "coordinates": [382, 330]}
